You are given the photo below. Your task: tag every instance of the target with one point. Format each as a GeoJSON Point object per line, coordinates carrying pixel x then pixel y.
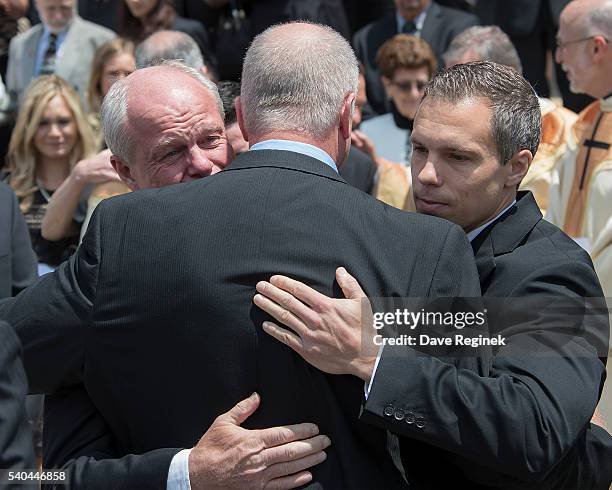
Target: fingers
{"type": "Point", "coordinates": [242, 410]}
{"type": "Point", "coordinates": [285, 336]}
{"type": "Point", "coordinates": [292, 481]}
{"type": "Point", "coordinates": [350, 286]}
{"type": "Point", "coordinates": [299, 290]}
{"type": "Point", "coordinates": [280, 470]}
{"type": "Point", "coordinates": [277, 436]}
{"type": "Point", "coordinates": [283, 307]}
{"type": "Point", "coordinates": [294, 451]}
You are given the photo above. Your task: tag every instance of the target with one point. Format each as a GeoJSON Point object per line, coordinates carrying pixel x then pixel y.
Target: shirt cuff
{"type": "Point", "coordinates": [178, 474]}
{"type": "Point", "coordinates": [368, 386]}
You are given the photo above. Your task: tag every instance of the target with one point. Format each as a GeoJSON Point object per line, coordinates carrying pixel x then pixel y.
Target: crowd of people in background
{"type": "Point", "coordinates": [60, 58]}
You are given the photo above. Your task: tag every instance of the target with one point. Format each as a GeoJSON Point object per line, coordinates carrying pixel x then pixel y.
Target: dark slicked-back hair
{"type": "Point", "coordinates": [516, 121]}
{"type": "Point", "coordinates": [229, 90]}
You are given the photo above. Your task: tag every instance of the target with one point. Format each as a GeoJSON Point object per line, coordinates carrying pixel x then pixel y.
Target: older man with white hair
{"type": "Point", "coordinates": [581, 198]}
{"type": "Point", "coordinates": [62, 43]}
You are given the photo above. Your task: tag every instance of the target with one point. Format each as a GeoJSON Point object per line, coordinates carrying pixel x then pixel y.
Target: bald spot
{"type": "Point", "coordinates": [162, 39]}
{"type": "Point", "coordinates": [574, 13]}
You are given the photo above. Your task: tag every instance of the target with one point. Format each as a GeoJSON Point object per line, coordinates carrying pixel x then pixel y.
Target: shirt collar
{"type": "Point", "coordinates": [296, 147]}
{"type": "Point", "coordinates": [60, 35]}
{"type": "Point", "coordinates": [419, 20]}
{"type": "Point", "coordinates": [474, 233]}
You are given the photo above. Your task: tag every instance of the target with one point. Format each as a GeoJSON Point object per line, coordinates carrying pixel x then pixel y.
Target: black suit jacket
{"type": "Point", "coordinates": [17, 259]}
{"type": "Point", "coordinates": [359, 170]}
{"type": "Point", "coordinates": [543, 386]}
{"type": "Point", "coordinates": [154, 312]}
{"type": "Point", "coordinates": [16, 450]}
{"type": "Point", "coordinates": [441, 25]}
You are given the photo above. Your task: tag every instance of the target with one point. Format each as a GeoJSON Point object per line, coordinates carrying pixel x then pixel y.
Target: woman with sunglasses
{"type": "Point", "coordinates": [406, 64]}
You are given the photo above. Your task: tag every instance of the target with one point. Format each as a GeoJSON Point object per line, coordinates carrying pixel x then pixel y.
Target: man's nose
{"type": "Point", "coordinates": [428, 174]}
{"type": "Point", "coordinates": [199, 165]}
{"type": "Point", "coordinates": [559, 55]}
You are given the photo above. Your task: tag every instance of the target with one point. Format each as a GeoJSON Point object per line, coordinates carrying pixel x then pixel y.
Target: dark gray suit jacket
{"type": "Point", "coordinates": [527, 424]}
{"type": "Point", "coordinates": [441, 25]}
{"type": "Point", "coordinates": [16, 450]}
{"type": "Point", "coordinates": [154, 312]}
{"type": "Point", "coordinates": [17, 259]}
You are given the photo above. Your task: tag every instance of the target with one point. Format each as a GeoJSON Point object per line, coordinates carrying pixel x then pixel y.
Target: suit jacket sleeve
{"type": "Point", "coordinates": [23, 257]}
{"type": "Point", "coordinates": [52, 317]}
{"type": "Point", "coordinates": [78, 440]}
{"type": "Point", "coordinates": [16, 450]}
{"type": "Point", "coordinates": [523, 417]}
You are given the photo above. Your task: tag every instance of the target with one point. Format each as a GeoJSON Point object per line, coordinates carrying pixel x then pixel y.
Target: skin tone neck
{"type": "Point", "coordinates": [52, 172]}
{"type": "Point", "coordinates": [336, 143]}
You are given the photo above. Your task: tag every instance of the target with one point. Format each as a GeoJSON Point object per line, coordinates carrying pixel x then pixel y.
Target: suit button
{"type": "Point", "coordinates": [410, 418]}
{"type": "Point", "coordinates": [399, 414]}
{"type": "Point", "coordinates": [389, 411]}
{"type": "Point", "coordinates": [420, 422]}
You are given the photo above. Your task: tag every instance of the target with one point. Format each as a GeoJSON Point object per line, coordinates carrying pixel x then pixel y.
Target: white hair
{"type": "Point", "coordinates": [169, 45]}
{"type": "Point", "coordinates": [600, 20]}
{"type": "Point", "coordinates": [114, 111]}
{"type": "Point", "coordinates": [299, 83]}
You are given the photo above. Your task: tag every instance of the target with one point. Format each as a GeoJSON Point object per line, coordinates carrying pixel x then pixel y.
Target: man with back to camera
{"type": "Point", "coordinates": [526, 425]}
{"type": "Point", "coordinates": [295, 148]}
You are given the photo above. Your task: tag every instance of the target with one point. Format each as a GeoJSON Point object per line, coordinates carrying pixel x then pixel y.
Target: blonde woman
{"type": "Point", "coordinates": [51, 135]}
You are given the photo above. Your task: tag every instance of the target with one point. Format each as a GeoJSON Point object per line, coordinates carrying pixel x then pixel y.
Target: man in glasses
{"type": "Point", "coordinates": [581, 193]}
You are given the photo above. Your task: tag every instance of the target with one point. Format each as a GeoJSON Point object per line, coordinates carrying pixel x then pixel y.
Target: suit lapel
{"type": "Point", "coordinates": [70, 45]}
{"type": "Point", "coordinates": [431, 25]}
{"type": "Point", "coordinates": [485, 258]}
{"type": "Point", "coordinates": [29, 61]}
{"type": "Point", "coordinates": [504, 236]}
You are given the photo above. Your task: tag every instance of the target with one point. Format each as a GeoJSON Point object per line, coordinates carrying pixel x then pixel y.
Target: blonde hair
{"type": "Point", "coordinates": [103, 55]}
{"type": "Point", "coordinates": [22, 155]}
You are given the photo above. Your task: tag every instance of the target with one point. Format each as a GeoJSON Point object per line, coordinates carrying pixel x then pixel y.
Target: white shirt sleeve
{"type": "Point", "coordinates": [178, 474]}
{"type": "Point", "coordinates": [368, 386]}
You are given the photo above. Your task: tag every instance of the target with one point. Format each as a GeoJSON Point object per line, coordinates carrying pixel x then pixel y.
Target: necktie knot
{"type": "Point", "coordinates": [409, 27]}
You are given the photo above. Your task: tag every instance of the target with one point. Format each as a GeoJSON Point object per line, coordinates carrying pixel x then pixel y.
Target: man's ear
{"type": "Point", "coordinates": [600, 49]}
{"type": "Point", "coordinates": [346, 116]}
{"type": "Point", "coordinates": [124, 171]}
{"type": "Point", "coordinates": [518, 167]}
{"type": "Point", "coordinates": [240, 118]}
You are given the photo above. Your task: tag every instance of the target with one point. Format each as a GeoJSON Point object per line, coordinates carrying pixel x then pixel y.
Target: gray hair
{"type": "Point", "coordinates": [169, 45]}
{"type": "Point", "coordinates": [600, 20]}
{"type": "Point", "coordinates": [516, 121]}
{"type": "Point", "coordinates": [114, 111]}
{"type": "Point", "coordinates": [489, 43]}
{"type": "Point", "coordinates": [297, 84]}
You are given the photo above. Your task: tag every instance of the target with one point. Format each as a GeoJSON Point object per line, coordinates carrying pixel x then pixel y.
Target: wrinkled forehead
{"type": "Point", "coordinates": [182, 107]}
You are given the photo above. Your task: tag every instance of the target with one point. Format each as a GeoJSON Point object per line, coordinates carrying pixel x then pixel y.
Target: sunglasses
{"type": "Point", "coordinates": [409, 85]}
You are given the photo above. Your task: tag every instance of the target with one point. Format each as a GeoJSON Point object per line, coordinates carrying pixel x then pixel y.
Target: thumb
{"type": "Point", "coordinates": [350, 286]}
{"type": "Point", "coordinates": [242, 410]}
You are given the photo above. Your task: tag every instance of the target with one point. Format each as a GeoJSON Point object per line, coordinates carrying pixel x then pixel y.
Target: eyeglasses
{"type": "Point", "coordinates": [563, 45]}
{"type": "Point", "coordinates": [409, 85]}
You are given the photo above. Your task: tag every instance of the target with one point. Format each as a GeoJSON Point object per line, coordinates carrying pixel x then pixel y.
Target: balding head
{"type": "Point", "coordinates": [169, 45]}
{"type": "Point", "coordinates": [583, 46]}
{"type": "Point", "coordinates": [151, 104]}
{"type": "Point", "coordinates": [296, 78]}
